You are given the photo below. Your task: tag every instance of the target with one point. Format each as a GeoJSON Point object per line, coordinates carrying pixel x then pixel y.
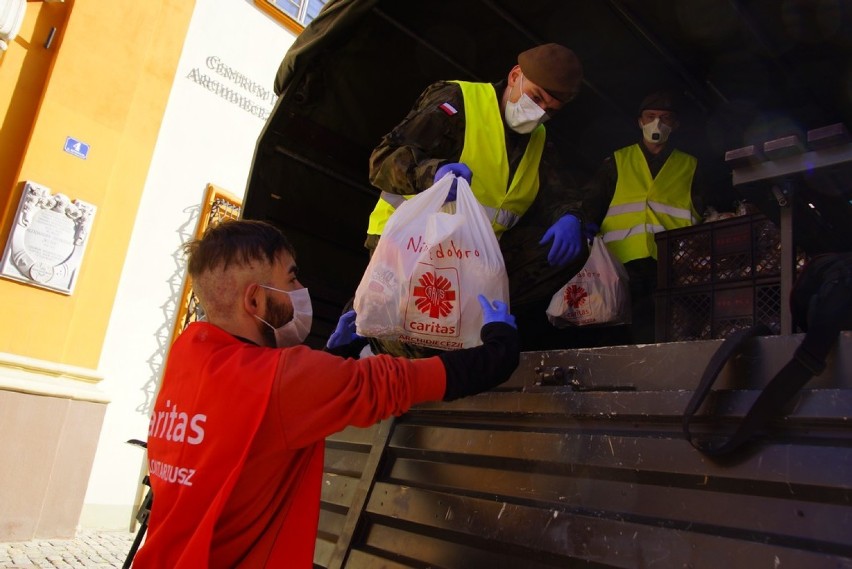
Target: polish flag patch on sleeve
{"type": "Point", "coordinates": [448, 108]}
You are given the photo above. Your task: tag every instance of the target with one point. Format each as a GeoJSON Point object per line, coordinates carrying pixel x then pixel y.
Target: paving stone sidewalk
{"type": "Point", "coordinates": [89, 550]}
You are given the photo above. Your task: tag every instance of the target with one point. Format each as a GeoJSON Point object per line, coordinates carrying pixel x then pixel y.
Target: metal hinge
{"type": "Point", "coordinates": [556, 376]}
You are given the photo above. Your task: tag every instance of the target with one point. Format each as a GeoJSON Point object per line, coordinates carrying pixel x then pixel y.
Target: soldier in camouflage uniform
{"type": "Point", "coordinates": [432, 137]}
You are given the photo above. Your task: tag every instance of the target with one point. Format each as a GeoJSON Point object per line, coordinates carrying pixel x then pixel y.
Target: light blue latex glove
{"type": "Point", "coordinates": [344, 334]}
{"type": "Point", "coordinates": [567, 240]}
{"type": "Point", "coordinates": [458, 169]}
{"type": "Point", "coordinates": [496, 312]}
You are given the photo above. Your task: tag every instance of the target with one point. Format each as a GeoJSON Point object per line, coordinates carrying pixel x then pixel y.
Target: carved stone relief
{"type": "Point", "coordinates": [48, 238]}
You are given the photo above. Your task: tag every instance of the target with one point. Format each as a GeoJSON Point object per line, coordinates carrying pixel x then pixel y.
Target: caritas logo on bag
{"type": "Point", "coordinates": [433, 308]}
{"type": "Point", "coordinates": [576, 302]}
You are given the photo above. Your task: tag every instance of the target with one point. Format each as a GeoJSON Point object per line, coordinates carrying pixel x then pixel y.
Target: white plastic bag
{"type": "Point", "coordinates": [422, 281]}
{"type": "Point", "coordinates": [599, 295]}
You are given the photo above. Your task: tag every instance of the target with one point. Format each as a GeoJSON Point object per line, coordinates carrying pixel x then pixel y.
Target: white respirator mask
{"type": "Point", "coordinates": [656, 131]}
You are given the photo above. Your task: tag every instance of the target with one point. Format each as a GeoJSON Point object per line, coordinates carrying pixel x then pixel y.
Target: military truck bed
{"type": "Point", "coordinates": [580, 460]}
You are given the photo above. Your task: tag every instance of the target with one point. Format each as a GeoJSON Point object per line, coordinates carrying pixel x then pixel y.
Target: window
{"type": "Point", "coordinates": [295, 14]}
{"type": "Point", "coordinates": [218, 206]}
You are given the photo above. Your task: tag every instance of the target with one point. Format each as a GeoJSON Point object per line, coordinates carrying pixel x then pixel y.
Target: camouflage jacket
{"type": "Point", "coordinates": [407, 158]}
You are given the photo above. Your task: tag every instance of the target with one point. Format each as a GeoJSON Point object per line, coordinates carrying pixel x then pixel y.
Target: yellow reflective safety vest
{"type": "Point", "coordinates": [643, 206]}
{"type": "Point", "coordinates": [484, 152]}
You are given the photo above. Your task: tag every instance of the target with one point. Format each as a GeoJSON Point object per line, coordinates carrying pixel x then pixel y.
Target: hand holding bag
{"type": "Point", "coordinates": [422, 282]}
{"type": "Point", "coordinates": [599, 295]}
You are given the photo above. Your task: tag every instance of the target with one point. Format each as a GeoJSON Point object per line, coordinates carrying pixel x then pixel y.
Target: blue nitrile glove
{"type": "Point", "coordinates": [344, 334]}
{"type": "Point", "coordinates": [497, 312]}
{"type": "Point", "coordinates": [590, 230]}
{"type": "Point", "coordinates": [459, 169]}
{"type": "Point", "coordinates": [567, 240]}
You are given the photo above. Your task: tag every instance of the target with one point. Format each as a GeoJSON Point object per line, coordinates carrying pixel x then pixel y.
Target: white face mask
{"type": "Point", "coordinates": [656, 131]}
{"type": "Point", "coordinates": [297, 329]}
{"type": "Point", "coordinates": [524, 115]}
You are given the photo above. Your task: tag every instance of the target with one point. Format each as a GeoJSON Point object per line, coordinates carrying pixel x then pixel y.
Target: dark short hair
{"type": "Point", "coordinates": [236, 241]}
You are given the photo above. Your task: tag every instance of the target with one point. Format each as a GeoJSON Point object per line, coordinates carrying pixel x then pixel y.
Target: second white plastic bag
{"type": "Point", "coordinates": [422, 282]}
{"type": "Point", "coordinates": [599, 295]}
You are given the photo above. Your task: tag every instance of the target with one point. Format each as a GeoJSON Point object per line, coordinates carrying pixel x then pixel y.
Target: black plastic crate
{"type": "Point", "coordinates": [712, 312]}
{"type": "Point", "coordinates": [720, 277]}
{"type": "Point", "coordinates": [741, 248]}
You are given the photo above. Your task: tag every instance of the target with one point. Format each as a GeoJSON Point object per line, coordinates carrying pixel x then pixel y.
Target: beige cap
{"type": "Point", "coordinates": [554, 68]}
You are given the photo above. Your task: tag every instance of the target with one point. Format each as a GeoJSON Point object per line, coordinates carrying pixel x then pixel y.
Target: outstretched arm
{"type": "Point", "coordinates": [481, 368]}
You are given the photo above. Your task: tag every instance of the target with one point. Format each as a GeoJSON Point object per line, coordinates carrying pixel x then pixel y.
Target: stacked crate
{"type": "Point", "coordinates": [717, 278]}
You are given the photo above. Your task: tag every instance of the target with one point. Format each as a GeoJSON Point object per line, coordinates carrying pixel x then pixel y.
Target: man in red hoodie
{"type": "Point", "coordinates": [236, 438]}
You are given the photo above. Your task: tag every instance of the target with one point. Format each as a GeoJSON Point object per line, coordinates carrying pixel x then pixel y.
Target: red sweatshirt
{"type": "Point", "coordinates": [235, 444]}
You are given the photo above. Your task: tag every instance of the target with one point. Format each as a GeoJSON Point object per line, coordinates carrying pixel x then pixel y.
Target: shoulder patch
{"type": "Point", "coordinates": [448, 108]}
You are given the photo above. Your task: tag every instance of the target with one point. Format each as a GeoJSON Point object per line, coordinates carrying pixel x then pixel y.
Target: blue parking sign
{"type": "Point", "coordinates": [76, 147]}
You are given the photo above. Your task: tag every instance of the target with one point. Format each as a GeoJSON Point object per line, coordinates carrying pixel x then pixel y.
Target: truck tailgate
{"type": "Point", "coordinates": [580, 460]}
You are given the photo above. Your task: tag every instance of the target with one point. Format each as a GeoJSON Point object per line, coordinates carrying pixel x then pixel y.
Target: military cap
{"type": "Point", "coordinates": [659, 101]}
{"type": "Point", "coordinates": [554, 68]}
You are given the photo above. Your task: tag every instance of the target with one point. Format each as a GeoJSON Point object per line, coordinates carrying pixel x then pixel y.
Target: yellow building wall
{"type": "Point", "coordinates": [105, 81]}
{"type": "Point", "coordinates": [23, 69]}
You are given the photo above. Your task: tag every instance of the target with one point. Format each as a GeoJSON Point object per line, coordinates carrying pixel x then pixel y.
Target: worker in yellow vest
{"type": "Point", "coordinates": [640, 190]}
{"type": "Point", "coordinates": [493, 136]}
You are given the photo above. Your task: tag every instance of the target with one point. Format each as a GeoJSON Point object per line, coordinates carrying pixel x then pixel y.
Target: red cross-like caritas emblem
{"type": "Point", "coordinates": [575, 296]}
{"type": "Point", "coordinates": [434, 295]}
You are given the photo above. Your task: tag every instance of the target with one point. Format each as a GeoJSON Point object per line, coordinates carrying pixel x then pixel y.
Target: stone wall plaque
{"type": "Point", "coordinates": [48, 239]}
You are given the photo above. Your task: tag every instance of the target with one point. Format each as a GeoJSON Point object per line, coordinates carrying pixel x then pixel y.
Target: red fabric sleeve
{"type": "Point", "coordinates": [316, 394]}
